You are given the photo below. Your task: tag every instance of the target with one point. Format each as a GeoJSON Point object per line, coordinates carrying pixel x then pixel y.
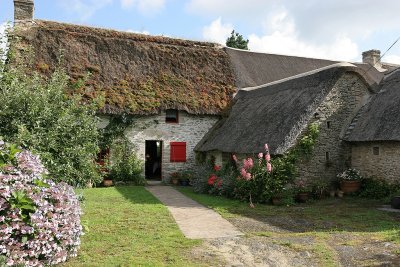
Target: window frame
{"type": "Point", "coordinates": [168, 120]}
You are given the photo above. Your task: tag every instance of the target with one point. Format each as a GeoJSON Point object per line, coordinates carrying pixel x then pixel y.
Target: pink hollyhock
{"type": "Point", "coordinates": [268, 157]}
{"type": "Point", "coordinates": [217, 168]}
{"type": "Point", "coordinates": [248, 163]}
{"type": "Point", "coordinates": [260, 155]}
{"type": "Point", "coordinates": [266, 147]}
{"type": "Point", "coordinates": [269, 167]}
{"type": "Point", "coordinates": [248, 176]}
{"type": "Point", "coordinates": [243, 172]}
{"type": "Point", "coordinates": [212, 179]}
{"type": "Point", "coordinates": [235, 158]}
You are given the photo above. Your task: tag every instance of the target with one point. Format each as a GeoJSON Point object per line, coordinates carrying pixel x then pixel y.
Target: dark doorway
{"type": "Point", "coordinates": [153, 160]}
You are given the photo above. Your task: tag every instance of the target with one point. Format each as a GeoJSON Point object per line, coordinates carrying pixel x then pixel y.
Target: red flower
{"type": "Point", "coordinates": [217, 168]}
{"type": "Point", "coordinates": [219, 183]}
{"type": "Point", "coordinates": [212, 179]}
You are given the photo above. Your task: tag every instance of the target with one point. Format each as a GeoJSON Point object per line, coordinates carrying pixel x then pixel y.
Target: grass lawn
{"type": "Point", "coordinates": [127, 226]}
{"type": "Point", "coordinates": [331, 223]}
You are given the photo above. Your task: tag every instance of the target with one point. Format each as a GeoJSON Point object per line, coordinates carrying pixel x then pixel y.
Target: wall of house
{"type": "Point", "coordinates": [382, 165]}
{"type": "Point", "coordinates": [340, 106]}
{"type": "Point", "coordinates": [190, 129]}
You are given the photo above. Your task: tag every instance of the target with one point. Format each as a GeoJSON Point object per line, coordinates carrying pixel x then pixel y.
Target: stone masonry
{"type": "Point", "coordinates": [23, 10]}
{"type": "Point", "coordinates": [377, 159]}
{"type": "Point", "coordinates": [190, 129]}
{"type": "Point", "coordinates": [331, 155]}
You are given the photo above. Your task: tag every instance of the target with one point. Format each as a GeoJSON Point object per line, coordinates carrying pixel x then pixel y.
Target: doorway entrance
{"type": "Point", "coordinates": [153, 159]}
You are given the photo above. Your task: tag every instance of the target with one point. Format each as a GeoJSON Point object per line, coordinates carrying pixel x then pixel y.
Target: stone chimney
{"type": "Point", "coordinates": [23, 10]}
{"type": "Point", "coordinates": [372, 57]}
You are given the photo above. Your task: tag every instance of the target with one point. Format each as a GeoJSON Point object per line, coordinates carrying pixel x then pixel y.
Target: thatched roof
{"type": "Point", "coordinates": [136, 73]}
{"type": "Point", "coordinates": [274, 113]}
{"type": "Point", "coordinates": [254, 69]}
{"type": "Point", "coordinates": [379, 120]}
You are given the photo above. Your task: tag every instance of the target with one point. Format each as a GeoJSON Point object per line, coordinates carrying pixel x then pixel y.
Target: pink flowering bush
{"type": "Point", "coordinates": [39, 219]}
{"type": "Point", "coordinates": [261, 177]}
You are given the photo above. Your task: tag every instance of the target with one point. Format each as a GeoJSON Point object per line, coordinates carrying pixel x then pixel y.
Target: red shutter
{"type": "Point", "coordinates": [178, 151]}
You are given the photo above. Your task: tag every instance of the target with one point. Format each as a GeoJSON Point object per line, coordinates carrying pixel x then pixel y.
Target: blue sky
{"type": "Point", "coordinates": [333, 29]}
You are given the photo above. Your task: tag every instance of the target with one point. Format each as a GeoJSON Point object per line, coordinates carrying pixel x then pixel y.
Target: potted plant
{"type": "Point", "coordinates": [175, 178]}
{"type": "Point", "coordinates": [395, 203]}
{"type": "Point", "coordinates": [350, 180]}
{"type": "Point", "coordinates": [302, 189]}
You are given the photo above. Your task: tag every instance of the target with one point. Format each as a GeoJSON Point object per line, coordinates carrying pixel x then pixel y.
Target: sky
{"type": "Point", "coordinates": [329, 29]}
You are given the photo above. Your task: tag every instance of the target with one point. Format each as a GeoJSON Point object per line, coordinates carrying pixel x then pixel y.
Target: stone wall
{"type": "Point", "coordinates": [378, 159]}
{"type": "Point", "coordinates": [190, 129]}
{"type": "Point", "coordinates": [334, 116]}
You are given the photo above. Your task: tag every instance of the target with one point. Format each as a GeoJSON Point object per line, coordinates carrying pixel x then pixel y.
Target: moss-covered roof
{"type": "Point", "coordinates": [137, 74]}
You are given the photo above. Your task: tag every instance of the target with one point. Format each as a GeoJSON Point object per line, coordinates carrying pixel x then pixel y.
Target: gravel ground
{"type": "Point", "coordinates": [267, 244]}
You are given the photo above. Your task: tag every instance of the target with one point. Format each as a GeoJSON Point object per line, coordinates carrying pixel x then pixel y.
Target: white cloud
{"type": "Point", "coordinates": [336, 29]}
{"type": "Point", "coordinates": [228, 8]}
{"type": "Point", "coordinates": [147, 7]}
{"type": "Point", "coordinates": [217, 31]}
{"type": "Point", "coordinates": [84, 8]}
{"type": "Point", "coordinates": [395, 59]}
{"type": "Point", "coordinates": [140, 32]}
{"type": "Point", "coordinates": [284, 39]}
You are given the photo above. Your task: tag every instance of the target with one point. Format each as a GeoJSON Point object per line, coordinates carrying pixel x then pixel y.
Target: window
{"type": "Point", "coordinates": [171, 116]}
{"type": "Point", "coordinates": [328, 124]}
{"type": "Point", "coordinates": [375, 150]}
{"type": "Point", "coordinates": [327, 156]}
{"type": "Point", "coordinates": [178, 152]}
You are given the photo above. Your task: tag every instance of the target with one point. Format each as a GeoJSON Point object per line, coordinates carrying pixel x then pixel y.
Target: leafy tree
{"type": "Point", "coordinates": [236, 40]}
{"type": "Point", "coordinates": [36, 113]}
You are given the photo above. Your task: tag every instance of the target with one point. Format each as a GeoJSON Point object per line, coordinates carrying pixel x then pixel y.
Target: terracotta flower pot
{"type": "Point", "coordinates": [277, 200]}
{"type": "Point", "coordinates": [395, 202]}
{"type": "Point", "coordinates": [302, 197]}
{"type": "Point", "coordinates": [350, 186]}
{"type": "Point", "coordinates": [107, 183]}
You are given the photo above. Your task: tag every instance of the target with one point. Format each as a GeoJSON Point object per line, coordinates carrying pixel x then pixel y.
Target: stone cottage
{"type": "Point", "coordinates": [187, 96]}
{"type": "Point", "coordinates": [374, 134]}
{"type": "Point", "coordinates": [173, 89]}
{"type": "Point", "coordinates": [278, 113]}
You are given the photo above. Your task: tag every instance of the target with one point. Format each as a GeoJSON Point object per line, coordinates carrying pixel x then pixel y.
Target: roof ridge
{"type": "Point", "coordinates": [105, 33]}
{"type": "Point", "coordinates": [308, 73]}
{"type": "Point", "coordinates": [274, 54]}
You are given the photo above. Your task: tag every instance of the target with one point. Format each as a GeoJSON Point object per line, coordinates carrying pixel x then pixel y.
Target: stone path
{"type": "Point", "coordinates": [194, 220]}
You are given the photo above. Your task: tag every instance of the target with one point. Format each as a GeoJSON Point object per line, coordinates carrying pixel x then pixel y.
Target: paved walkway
{"type": "Point", "coordinates": [194, 220]}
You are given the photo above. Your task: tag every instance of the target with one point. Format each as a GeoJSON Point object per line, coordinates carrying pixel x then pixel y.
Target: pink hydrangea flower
{"type": "Point", "coordinates": [268, 157]}
{"type": "Point", "coordinates": [260, 155]}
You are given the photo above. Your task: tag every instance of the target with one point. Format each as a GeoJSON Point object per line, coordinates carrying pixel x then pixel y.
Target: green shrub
{"type": "Point", "coordinates": [37, 114]}
{"type": "Point", "coordinates": [124, 165]}
{"type": "Point", "coordinates": [375, 188]}
{"type": "Point", "coordinates": [200, 176]}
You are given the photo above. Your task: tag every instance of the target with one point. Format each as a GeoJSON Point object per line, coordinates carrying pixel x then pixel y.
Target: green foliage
{"type": "Point", "coordinates": [19, 200]}
{"type": "Point", "coordinates": [374, 188]}
{"type": "Point", "coordinates": [7, 156]}
{"type": "Point", "coordinates": [125, 166]}
{"type": "Point", "coordinates": [236, 40]}
{"type": "Point", "coordinates": [200, 177]}
{"type": "Point", "coordinates": [36, 113]}
{"type": "Point", "coordinates": [264, 185]}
